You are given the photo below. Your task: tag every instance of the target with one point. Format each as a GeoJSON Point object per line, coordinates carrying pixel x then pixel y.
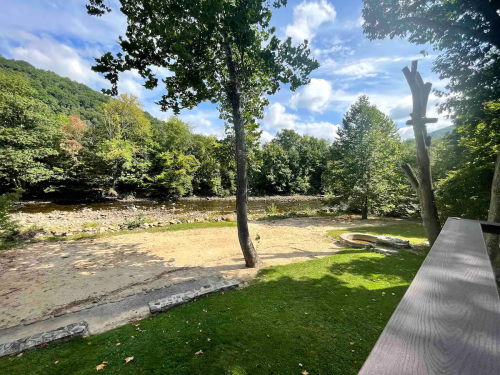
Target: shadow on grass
{"type": "Point", "coordinates": [322, 316]}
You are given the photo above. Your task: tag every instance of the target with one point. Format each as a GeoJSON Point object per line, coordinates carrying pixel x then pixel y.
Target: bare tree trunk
{"type": "Point", "coordinates": [422, 184]}
{"type": "Point", "coordinates": [492, 240]}
{"type": "Point", "coordinates": [234, 96]}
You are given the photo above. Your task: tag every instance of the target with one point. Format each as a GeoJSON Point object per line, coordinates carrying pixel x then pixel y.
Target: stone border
{"type": "Point", "coordinates": [167, 303]}
{"type": "Point", "coordinates": [71, 330]}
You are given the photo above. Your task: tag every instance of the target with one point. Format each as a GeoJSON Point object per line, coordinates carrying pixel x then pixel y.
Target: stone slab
{"type": "Point", "coordinates": [17, 346]}
{"type": "Point", "coordinates": [182, 298]}
{"type": "Point", "coordinates": [103, 317]}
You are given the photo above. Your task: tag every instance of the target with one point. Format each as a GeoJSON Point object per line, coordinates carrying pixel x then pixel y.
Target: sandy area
{"type": "Point", "coordinates": [46, 279]}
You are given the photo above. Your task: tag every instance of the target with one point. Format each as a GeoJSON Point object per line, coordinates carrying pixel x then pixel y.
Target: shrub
{"type": "Point", "coordinates": [271, 209]}
{"type": "Point", "coordinates": [8, 227]}
{"type": "Point", "coordinates": [137, 221]}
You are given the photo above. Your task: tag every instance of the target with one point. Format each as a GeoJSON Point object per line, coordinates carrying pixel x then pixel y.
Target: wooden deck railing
{"type": "Point", "coordinates": [448, 322]}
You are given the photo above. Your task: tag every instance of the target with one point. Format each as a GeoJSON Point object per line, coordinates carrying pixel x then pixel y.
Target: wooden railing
{"type": "Point", "coordinates": [448, 322]}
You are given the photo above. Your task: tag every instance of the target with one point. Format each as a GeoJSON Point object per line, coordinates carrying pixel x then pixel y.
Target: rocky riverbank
{"type": "Point", "coordinates": [146, 214]}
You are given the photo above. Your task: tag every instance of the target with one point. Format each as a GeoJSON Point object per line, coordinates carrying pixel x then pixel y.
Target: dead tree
{"type": "Point", "coordinates": [422, 183]}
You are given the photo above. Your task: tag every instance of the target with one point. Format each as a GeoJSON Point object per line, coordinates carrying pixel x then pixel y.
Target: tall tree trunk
{"type": "Point", "coordinates": [493, 240]}
{"type": "Point", "coordinates": [364, 209]}
{"type": "Point", "coordinates": [234, 96]}
{"type": "Point", "coordinates": [422, 184]}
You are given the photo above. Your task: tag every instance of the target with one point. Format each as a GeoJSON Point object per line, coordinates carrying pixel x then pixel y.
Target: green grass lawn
{"type": "Point", "coordinates": [412, 231]}
{"type": "Point", "coordinates": [321, 316]}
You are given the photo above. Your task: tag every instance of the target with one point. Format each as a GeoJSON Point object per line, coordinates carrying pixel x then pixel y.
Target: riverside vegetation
{"type": "Point", "coordinates": [62, 140]}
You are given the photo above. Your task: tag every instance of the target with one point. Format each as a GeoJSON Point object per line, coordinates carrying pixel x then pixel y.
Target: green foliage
{"type": "Point", "coordinates": [8, 227]}
{"type": "Point", "coordinates": [271, 209]}
{"type": "Point", "coordinates": [466, 33]}
{"type": "Point", "coordinates": [198, 52]}
{"type": "Point", "coordinates": [292, 164]}
{"type": "Point", "coordinates": [137, 221]}
{"type": "Point", "coordinates": [30, 135]}
{"type": "Point", "coordinates": [61, 95]}
{"type": "Point", "coordinates": [365, 171]}
{"type": "Point", "coordinates": [174, 174]}
{"type": "Point", "coordinates": [468, 160]}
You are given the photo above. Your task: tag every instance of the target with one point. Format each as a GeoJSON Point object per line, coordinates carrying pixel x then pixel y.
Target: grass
{"type": "Point", "coordinates": [84, 236]}
{"type": "Point", "coordinates": [407, 230]}
{"type": "Point", "coordinates": [90, 224]}
{"type": "Point", "coordinates": [322, 316]}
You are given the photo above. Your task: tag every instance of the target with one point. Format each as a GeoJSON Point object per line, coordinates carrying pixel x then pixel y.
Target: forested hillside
{"type": "Point", "coordinates": [62, 95]}
{"type": "Point", "coordinates": [62, 140]}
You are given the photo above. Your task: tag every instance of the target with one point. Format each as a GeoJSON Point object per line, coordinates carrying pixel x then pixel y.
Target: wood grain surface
{"type": "Point", "coordinates": [448, 322]}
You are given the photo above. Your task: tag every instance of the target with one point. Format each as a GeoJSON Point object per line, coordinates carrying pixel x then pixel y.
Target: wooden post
{"type": "Point", "coordinates": [423, 182]}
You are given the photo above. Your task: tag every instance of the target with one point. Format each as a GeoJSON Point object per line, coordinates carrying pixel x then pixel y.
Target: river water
{"type": "Point", "coordinates": [222, 206]}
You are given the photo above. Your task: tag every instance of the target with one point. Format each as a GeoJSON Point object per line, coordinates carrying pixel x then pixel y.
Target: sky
{"type": "Point", "coordinates": [59, 35]}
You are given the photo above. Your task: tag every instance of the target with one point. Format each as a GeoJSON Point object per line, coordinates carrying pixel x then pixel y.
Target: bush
{"type": "Point", "coordinates": [8, 227]}
{"type": "Point", "coordinates": [137, 221]}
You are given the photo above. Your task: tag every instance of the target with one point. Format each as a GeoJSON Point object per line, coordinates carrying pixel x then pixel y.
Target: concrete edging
{"type": "Point", "coordinates": [167, 303]}
{"type": "Point", "coordinates": [30, 342]}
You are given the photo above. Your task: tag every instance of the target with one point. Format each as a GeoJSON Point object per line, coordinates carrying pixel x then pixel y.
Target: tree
{"type": "Point", "coordinates": [292, 164]}
{"type": "Point", "coordinates": [365, 159]}
{"type": "Point", "coordinates": [220, 51]}
{"type": "Point", "coordinates": [422, 183]}
{"type": "Point", "coordinates": [29, 135]}
{"type": "Point", "coordinates": [467, 33]}
{"type": "Point", "coordinates": [175, 172]}
{"type": "Point", "coordinates": [465, 30]}
{"type": "Point", "coordinates": [73, 131]}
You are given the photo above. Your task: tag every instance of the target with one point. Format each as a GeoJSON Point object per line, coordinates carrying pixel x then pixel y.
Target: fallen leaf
{"type": "Point", "coordinates": [305, 372]}
{"type": "Point", "coordinates": [20, 355]}
{"type": "Point", "coordinates": [101, 366]}
{"type": "Point", "coordinates": [118, 344]}
{"type": "Point", "coordinates": [44, 345]}
{"type": "Point", "coordinates": [351, 343]}
{"type": "Point", "coordinates": [90, 343]}
{"type": "Point", "coordinates": [199, 352]}
{"type": "Point", "coordinates": [56, 362]}
{"type": "Point", "coordinates": [208, 339]}
{"type": "Point", "coordinates": [128, 359]}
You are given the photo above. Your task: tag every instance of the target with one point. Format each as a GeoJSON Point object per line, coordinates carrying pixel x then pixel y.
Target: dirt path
{"type": "Point", "coordinates": [48, 279]}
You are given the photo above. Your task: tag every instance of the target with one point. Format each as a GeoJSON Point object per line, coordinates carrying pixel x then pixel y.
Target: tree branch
{"type": "Point", "coordinates": [411, 176]}
{"type": "Point", "coordinates": [451, 27]}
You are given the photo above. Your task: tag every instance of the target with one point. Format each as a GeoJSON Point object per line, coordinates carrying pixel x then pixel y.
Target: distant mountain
{"type": "Point", "coordinates": [441, 132]}
{"type": "Point", "coordinates": [61, 94]}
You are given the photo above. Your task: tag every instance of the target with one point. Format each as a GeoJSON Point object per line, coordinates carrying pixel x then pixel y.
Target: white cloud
{"type": "Point", "coordinates": [265, 137]}
{"type": "Point", "coordinates": [66, 18]}
{"type": "Point", "coordinates": [361, 68]}
{"type": "Point", "coordinates": [51, 55]}
{"type": "Point", "coordinates": [315, 96]}
{"type": "Point", "coordinates": [319, 96]}
{"type": "Point", "coordinates": [307, 18]}
{"type": "Point", "coordinates": [276, 119]}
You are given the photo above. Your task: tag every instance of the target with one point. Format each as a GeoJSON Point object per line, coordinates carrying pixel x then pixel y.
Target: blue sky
{"type": "Point", "coordinates": [58, 35]}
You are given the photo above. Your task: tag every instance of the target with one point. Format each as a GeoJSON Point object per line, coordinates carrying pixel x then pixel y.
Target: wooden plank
{"type": "Point", "coordinates": [448, 322]}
